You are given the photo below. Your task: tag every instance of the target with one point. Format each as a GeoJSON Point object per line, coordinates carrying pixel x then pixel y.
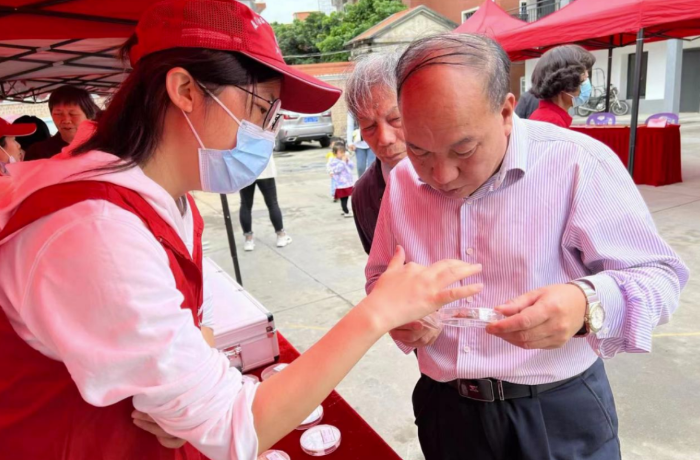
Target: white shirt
{"type": "Point", "coordinates": [91, 286]}
{"type": "Point", "coordinates": [270, 171]}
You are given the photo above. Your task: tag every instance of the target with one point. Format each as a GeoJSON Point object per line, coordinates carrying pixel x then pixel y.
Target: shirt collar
{"type": "Point", "coordinates": [515, 158]}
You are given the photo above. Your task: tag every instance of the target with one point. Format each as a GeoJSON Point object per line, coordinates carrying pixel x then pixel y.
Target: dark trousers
{"type": "Point", "coordinates": [269, 192]}
{"type": "Point", "coordinates": [576, 421]}
{"type": "Point", "coordinates": [344, 204]}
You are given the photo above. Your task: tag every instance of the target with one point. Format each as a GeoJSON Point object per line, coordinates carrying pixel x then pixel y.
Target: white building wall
{"type": "Point", "coordinates": [656, 71]}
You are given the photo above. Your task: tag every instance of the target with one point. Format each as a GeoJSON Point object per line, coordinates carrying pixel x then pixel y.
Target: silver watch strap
{"type": "Point", "coordinates": [588, 290]}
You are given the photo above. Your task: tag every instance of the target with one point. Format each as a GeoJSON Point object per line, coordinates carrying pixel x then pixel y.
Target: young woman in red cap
{"type": "Point", "coordinates": [101, 283]}
{"type": "Point", "coordinates": [10, 150]}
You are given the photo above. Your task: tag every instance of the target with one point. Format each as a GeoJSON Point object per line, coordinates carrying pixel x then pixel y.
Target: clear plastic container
{"type": "Point", "coordinates": [468, 317]}
{"type": "Point", "coordinates": [274, 455]}
{"type": "Point", "coordinates": [432, 321]}
{"type": "Point", "coordinates": [312, 420]}
{"type": "Point", "coordinates": [320, 440]}
{"type": "Point", "coordinates": [272, 370]}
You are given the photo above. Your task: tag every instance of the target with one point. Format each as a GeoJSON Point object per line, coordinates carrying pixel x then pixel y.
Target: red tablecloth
{"type": "Point", "coordinates": [359, 440]}
{"type": "Point", "coordinates": [657, 160]}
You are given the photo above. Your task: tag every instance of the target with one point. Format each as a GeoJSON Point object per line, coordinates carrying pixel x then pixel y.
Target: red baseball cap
{"type": "Point", "coordinates": [228, 25]}
{"type": "Point", "coordinates": [20, 129]}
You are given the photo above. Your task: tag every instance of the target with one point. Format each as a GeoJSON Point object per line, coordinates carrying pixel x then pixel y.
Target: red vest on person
{"type": "Point", "coordinates": [42, 415]}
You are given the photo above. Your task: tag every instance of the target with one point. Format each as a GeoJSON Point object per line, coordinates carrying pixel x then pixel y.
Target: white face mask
{"type": "Point", "coordinates": [10, 158]}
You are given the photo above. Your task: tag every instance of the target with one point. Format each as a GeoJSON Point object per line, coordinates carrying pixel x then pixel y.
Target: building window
{"type": "Point", "coordinates": [631, 62]}
{"type": "Point", "coordinates": [466, 14]}
{"type": "Point", "coordinates": [523, 16]}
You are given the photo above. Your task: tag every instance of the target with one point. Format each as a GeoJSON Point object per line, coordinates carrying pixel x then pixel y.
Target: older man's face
{"type": "Point", "coordinates": [381, 127]}
{"type": "Point", "coordinates": [454, 138]}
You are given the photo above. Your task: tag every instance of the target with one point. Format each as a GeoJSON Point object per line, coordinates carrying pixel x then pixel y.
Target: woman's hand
{"type": "Point", "coordinates": [146, 423]}
{"type": "Point", "coordinates": [409, 292]}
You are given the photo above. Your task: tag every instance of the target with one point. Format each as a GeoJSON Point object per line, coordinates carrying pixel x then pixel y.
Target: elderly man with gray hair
{"type": "Point", "coordinates": [370, 94]}
{"type": "Point", "coordinates": [571, 260]}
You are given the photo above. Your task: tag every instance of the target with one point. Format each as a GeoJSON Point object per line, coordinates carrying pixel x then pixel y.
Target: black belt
{"type": "Point", "coordinates": [490, 390]}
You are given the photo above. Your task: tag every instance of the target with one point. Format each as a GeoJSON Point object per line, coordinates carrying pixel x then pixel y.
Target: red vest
{"type": "Point", "coordinates": [42, 415]}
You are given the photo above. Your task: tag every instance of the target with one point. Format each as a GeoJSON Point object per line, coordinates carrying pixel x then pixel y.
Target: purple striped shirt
{"type": "Point", "coordinates": [561, 207]}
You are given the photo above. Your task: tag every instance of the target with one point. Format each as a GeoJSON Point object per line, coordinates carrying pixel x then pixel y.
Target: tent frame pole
{"type": "Point", "coordinates": [639, 57]}
{"type": "Point", "coordinates": [231, 239]}
{"type": "Point", "coordinates": [608, 85]}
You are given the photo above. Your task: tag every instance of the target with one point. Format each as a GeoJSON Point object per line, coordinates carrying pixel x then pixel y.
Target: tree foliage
{"type": "Point", "coordinates": [321, 33]}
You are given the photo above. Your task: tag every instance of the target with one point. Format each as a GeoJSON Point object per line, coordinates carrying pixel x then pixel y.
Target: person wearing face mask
{"type": "Point", "coordinates": [561, 80]}
{"type": "Point", "coordinates": [69, 106]}
{"type": "Point", "coordinates": [11, 150]}
{"type": "Point", "coordinates": [571, 258]}
{"type": "Point", "coordinates": [101, 287]}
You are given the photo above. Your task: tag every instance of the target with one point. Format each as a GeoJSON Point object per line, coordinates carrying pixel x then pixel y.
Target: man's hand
{"type": "Point", "coordinates": [416, 334]}
{"type": "Point", "coordinates": [146, 423]}
{"type": "Point", "coordinates": [545, 318]}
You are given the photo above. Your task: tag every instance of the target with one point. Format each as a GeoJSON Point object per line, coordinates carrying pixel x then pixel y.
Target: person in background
{"type": "Point", "coordinates": [527, 104]}
{"type": "Point", "coordinates": [341, 169]}
{"type": "Point", "coordinates": [570, 257]}
{"type": "Point", "coordinates": [10, 149]}
{"type": "Point", "coordinates": [41, 134]}
{"type": "Point", "coordinates": [268, 188]}
{"type": "Point", "coordinates": [561, 80]}
{"type": "Point", "coordinates": [363, 153]}
{"type": "Point", "coordinates": [370, 94]}
{"type": "Point", "coordinates": [329, 156]}
{"type": "Point", "coordinates": [69, 107]}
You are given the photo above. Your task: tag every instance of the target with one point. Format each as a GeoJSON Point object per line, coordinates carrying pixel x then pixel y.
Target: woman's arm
{"type": "Point", "coordinates": [149, 348]}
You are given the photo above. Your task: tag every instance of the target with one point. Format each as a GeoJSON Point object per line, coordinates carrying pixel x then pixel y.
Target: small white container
{"type": "Point", "coordinates": [469, 317]}
{"type": "Point", "coordinates": [312, 420]}
{"type": "Point", "coordinates": [272, 370]}
{"type": "Point", "coordinates": [320, 440]}
{"type": "Point", "coordinates": [274, 455]}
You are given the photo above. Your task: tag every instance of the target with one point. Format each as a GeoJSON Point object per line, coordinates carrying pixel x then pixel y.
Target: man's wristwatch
{"type": "Point", "coordinates": [595, 314]}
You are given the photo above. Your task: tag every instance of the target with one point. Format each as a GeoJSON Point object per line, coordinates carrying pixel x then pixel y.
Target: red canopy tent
{"type": "Point", "coordinates": [46, 44]}
{"type": "Point", "coordinates": [51, 43]}
{"type": "Point", "coordinates": [602, 24]}
{"type": "Point", "coordinates": [608, 24]}
{"type": "Point", "coordinates": [491, 20]}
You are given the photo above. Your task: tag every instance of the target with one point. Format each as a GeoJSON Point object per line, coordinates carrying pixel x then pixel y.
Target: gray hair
{"type": "Point", "coordinates": [477, 52]}
{"type": "Point", "coordinates": [372, 70]}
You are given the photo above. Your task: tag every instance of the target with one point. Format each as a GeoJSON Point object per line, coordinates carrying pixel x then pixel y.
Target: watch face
{"type": "Point", "coordinates": [597, 317]}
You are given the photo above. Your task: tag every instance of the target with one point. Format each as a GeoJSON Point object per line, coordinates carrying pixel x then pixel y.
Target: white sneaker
{"type": "Point", "coordinates": [283, 240]}
{"type": "Point", "coordinates": [249, 244]}
{"type": "Point", "coordinates": [347, 214]}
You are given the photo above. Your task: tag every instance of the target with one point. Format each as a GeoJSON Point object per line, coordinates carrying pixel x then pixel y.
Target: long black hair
{"type": "Point", "coordinates": [132, 125]}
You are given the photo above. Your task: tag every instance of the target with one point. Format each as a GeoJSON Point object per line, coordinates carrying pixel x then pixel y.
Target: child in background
{"type": "Point", "coordinates": [329, 156]}
{"type": "Point", "coordinates": [341, 168]}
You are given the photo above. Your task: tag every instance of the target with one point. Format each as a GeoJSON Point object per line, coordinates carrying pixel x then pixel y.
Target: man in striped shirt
{"type": "Point", "coordinates": [569, 251]}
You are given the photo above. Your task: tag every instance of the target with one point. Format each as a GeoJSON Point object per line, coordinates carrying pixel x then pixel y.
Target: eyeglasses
{"type": "Point", "coordinates": [271, 123]}
{"type": "Point", "coordinates": [272, 117]}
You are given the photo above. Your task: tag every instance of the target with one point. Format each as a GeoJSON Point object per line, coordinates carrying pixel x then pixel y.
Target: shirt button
{"type": "Point", "coordinates": [470, 201]}
{"type": "Point", "coordinates": [470, 251]}
{"type": "Point", "coordinates": [466, 349]}
{"type": "Point", "coordinates": [470, 299]}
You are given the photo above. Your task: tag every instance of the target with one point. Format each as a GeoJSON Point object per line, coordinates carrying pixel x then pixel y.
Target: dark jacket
{"type": "Point", "coordinates": [46, 149]}
{"type": "Point", "coordinates": [366, 201]}
{"type": "Point", "coordinates": [527, 104]}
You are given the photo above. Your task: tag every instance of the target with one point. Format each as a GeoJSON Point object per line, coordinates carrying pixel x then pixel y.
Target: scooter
{"type": "Point", "coordinates": [596, 104]}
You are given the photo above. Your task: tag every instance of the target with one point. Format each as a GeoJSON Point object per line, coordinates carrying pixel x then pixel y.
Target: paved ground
{"type": "Point", "coordinates": [310, 284]}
